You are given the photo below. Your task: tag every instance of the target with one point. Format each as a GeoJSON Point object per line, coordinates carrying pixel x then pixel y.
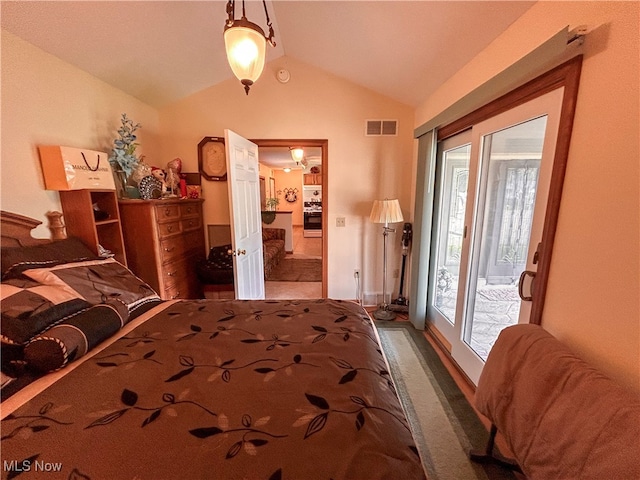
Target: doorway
{"type": "Point", "coordinates": [492, 186]}
{"type": "Point", "coordinates": [290, 190]}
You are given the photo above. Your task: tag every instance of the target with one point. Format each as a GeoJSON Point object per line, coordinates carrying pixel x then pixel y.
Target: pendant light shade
{"type": "Point", "coordinates": [246, 45]}
{"type": "Point", "coordinates": [297, 154]}
{"type": "Point", "coordinates": [246, 50]}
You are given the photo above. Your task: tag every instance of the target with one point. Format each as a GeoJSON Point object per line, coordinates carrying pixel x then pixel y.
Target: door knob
{"type": "Point", "coordinates": [241, 252]}
{"type": "Point", "coordinates": [235, 254]}
{"type": "Point", "coordinates": [523, 275]}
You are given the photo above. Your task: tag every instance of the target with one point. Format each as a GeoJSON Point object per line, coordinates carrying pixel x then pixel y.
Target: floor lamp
{"type": "Point", "coordinates": [385, 211]}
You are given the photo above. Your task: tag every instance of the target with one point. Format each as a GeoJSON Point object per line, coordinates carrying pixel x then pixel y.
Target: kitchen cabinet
{"type": "Point", "coordinates": [312, 179]}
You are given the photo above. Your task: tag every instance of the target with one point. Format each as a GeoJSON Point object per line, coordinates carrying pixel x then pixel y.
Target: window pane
{"type": "Point", "coordinates": [455, 177]}
{"type": "Point", "coordinates": [508, 185]}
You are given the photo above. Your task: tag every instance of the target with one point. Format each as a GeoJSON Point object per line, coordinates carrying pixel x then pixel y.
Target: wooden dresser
{"type": "Point", "coordinates": [164, 240]}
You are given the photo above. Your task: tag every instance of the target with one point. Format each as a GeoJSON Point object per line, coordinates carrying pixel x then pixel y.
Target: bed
{"type": "Point", "coordinates": [216, 389]}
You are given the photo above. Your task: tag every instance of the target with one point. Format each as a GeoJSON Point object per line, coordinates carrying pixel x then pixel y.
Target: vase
{"type": "Point", "coordinates": [120, 179]}
{"type": "Point", "coordinates": [131, 192]}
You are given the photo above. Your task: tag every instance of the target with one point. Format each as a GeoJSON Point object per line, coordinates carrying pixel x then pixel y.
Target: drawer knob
{"type": "Point", "coordinates": [171, 274]}
{"type": "Point", "coordinates": [170, 228]}
{"type": "Point", "coordinates": [167, 212]}
{"type": "Point", "coordinates": [169, 249]}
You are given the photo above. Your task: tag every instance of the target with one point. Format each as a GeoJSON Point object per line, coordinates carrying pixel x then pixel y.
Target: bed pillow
{"type": "Point", "coordinates": [101, 282]}
{"type": "Point", "coordinates": [15, 260]}
{"type": "Point", "coordinates": [71, 338]}
{"type": "Point", "coordinates": [28, 308]}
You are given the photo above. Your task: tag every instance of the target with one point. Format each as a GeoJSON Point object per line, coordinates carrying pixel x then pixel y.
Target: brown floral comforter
{"type": "Point", "coordinates": [211, 389]}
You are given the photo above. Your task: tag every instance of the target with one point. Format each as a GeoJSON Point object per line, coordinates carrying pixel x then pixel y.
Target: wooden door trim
{"type": "Point", "coordinates": [324, 145]}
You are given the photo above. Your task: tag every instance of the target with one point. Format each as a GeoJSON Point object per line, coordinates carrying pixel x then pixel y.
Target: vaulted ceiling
{"type": "Point", "coordinates": [162, 51]}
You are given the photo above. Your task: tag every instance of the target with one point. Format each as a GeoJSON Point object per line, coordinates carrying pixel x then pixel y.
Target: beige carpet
{"type": "Point", "coordinates": [297, 270]}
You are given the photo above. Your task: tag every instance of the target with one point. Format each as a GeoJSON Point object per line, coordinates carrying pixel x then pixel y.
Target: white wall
{"type": "Point", "coordinates": [46, 101]}
{"type": "Point", "coordinates": [593, 292]}
{"type": "Point", "coordinates": [312, 105]}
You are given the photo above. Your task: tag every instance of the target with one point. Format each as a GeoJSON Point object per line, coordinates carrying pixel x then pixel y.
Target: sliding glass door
{"type": "Point", "coordinates": [491, 195]}
{"type": "Point", "coordinates": [452, 171]}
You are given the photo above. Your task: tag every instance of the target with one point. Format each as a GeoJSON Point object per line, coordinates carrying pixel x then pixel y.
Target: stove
{"type": "Point", "coordinates": [312, 206]}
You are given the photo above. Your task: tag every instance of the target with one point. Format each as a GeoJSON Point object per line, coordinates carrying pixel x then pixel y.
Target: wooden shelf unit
{"type": "Point", "coordinates": [77, 206]}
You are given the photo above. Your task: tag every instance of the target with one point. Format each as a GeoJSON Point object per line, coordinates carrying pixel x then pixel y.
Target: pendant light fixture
{"type": "Point", "coordinates": [245, 43]}
{"type": "Point", "coordinates": [297, 154]}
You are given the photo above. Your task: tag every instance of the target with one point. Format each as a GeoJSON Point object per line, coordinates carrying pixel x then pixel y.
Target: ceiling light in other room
{"type": "Point", "coordinates": [245, 43]}
{"type": "Point", "coordinates": [297, 153]}
{"type": "Point", "coordinates": [286, 170]}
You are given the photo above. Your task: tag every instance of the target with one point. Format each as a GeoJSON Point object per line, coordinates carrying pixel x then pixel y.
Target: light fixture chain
{"type": "Point", "coordinates": [231, 12]}
{"type": "Point", "coordinates": [271, 33]}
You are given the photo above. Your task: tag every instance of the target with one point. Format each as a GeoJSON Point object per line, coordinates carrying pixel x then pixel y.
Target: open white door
{"type": "Point", "coordinates": [246, 222]}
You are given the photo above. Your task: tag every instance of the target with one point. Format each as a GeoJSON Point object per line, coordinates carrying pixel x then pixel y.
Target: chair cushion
{"type": "Point", "coordinates": [218, 268]}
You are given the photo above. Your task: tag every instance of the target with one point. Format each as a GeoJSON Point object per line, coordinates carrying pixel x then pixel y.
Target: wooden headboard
{"type": "Point", "coordinates": [15, 230]}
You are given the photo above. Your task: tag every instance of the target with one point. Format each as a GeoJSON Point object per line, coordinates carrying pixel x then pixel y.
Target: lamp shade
{"type": "Point", "coordinates": [386, 211]}
{"type": "Point", "coordinates": [245, 44]}
{"type": "Point", "coordinates": [297, 153]}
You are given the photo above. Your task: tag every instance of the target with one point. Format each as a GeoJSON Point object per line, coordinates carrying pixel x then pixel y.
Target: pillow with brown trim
{"type": "Point", "coordinates": [72, 338]}
{"type": "Point", "coordinates": [28, 308]}
{"type": "Point", "coordinates": [101, 281]}
{"type": "Point", "coordinates": [15, 260]}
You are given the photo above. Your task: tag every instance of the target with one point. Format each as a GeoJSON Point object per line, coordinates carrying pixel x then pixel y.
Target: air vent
{"type": "Point", "coordinates": [375, 128]}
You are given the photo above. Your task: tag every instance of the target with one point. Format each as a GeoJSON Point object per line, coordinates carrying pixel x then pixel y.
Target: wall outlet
{"type": "Point", "coordinates": [340, 221]}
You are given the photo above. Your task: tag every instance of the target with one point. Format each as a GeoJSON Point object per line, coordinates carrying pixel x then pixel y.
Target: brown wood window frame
{"type": "Point", "coordinates": [566, 75]}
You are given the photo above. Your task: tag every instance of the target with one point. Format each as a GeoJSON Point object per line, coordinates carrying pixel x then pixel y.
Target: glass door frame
{"type": "Point", "coordinates": [566, 75]}
{"type": "Point", "coordinates": [549, 106]}
{"type": "Point", "coordinates": [443, 325]}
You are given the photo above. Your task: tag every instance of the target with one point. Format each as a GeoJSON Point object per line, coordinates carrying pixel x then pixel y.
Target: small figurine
{"type": "Point", "coordinates": [141, 171]}
{"type": "Point", "coordinates": [173, 175]}
{"type": "Point", "coordinates": [159, 174]}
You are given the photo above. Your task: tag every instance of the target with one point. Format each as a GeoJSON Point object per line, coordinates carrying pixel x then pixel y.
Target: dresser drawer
{"type": "Point", "coordinates": [173, 271]}
{"type": "Point", "coordinates": [171, 248]}
{"type": "Point", "coordinates": [168, 212]}
{"type": "Point", "coordinates": [188, 224]}
{"type": "Point", "coordinates": [190, 210]}
{"type": "Point", "coordinates": [168, 228]}
{"type": "Point", "coordinates": [180, 280]}
{"type": "Point", "coordinates": [175, 290]}
{"type": "Point", "coordinates": [193, 244]}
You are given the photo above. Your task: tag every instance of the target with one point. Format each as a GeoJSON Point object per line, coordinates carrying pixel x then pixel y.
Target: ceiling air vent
{"type": "Point", "coordinates": [375, 128]}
